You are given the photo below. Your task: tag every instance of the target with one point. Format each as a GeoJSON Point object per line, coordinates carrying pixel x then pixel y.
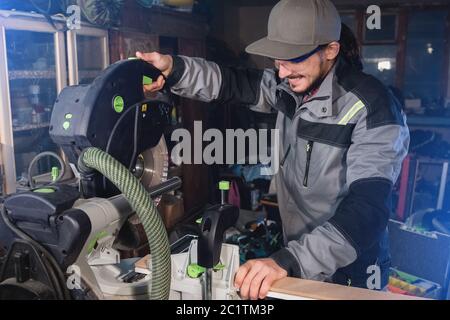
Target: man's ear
{"type": "Point", "coordinates": [332, 50]}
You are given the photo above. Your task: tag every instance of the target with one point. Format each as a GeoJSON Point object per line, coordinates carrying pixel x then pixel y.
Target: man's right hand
{"type": "Point", "coordinates": [160, 61]}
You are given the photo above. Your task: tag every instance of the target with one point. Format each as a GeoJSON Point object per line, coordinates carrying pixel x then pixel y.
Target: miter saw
{"type": "Point", "coordinates": [62, 241]}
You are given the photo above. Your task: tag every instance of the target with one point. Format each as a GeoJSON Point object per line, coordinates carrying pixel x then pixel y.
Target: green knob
{"type": "Point", "coordinates": [195, 271]}
{"type": "Point", "coordinates": [224, 185]}
{"type": "Point", "coordinates": [118, 104]}
{"type": "Point", "coordinates": [55, 173]}
{"type": "Point", "coordinates": [66, 125]}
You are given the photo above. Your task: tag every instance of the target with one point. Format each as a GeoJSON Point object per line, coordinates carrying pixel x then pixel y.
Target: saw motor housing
{"type": "Point", "coordinates": [112, 114]}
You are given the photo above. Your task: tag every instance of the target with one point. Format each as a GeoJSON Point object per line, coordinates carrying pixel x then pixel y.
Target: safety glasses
{"type": "Point", "coordinates": [305, 56]}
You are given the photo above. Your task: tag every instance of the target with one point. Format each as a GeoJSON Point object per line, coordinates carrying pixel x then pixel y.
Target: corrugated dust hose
{"type": "Point", "coordinates": [139, 199]}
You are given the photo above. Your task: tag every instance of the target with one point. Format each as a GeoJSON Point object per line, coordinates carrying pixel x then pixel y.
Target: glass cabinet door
{"type": "Point", "coordinates": [33, 90]}
{"type": "Point", "coordinates": [33, 71]}
{"type": "Point", "coordinates": [91, 58]}
{"type": "Point", "coordinates": [87, 53]}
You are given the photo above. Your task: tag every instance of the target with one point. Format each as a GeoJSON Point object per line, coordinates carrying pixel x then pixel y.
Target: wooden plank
{"type": "Point", "coordinates": [360, 26]}
{"type": "Point", "coordinates": [307, 289]}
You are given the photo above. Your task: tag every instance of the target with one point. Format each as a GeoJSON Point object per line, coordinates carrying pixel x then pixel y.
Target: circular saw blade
{"type": "Point", "coordinates": [152, 166]}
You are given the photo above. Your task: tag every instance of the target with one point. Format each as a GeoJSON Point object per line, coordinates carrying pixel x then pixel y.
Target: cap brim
{"type": "Point", "coordinates": [278, 50]}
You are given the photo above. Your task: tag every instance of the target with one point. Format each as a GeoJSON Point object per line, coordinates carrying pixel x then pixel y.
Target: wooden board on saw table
{"type": "Point", "coordinates": [294, 288]}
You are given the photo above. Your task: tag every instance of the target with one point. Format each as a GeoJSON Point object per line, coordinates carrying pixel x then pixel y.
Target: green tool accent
{"type": "Point", "coordinates": [195, 271]}
{"type": "Point", "coordinates": [97, 237]}
{"type": "Point", "coordinates": [44, 190]}
{"type": "Point", "coordinates": [118, 104]}
{"type": "Point", "coordinates": [55, 173]}
{"type": "Point", "coordinates": [66, 125]}
{"type": "Point", "coordinates": [199, 221]}
{"type": "Point", "coordinates": [68, 116]}
{"type": "Point", "coordinates": [224, 185]}
{"type": "Point", "coordinates": [146, 80]}
{"type": "Point", "coordinates": [219, 267]}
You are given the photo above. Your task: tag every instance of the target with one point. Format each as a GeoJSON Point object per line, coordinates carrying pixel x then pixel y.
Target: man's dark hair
{"type": "Point", "coordinates": [350, 49]}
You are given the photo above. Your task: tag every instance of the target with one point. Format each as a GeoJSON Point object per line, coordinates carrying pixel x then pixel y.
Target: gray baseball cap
{"type": "Point", "coordinates": [297, 27]}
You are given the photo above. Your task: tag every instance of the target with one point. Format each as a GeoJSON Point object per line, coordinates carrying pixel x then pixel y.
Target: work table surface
{"type": "Point", "coordinates": [294, 288]}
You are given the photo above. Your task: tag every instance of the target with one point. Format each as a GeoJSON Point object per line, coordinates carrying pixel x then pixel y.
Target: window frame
{"type": "Point", "coordinates": [364, 41]}
{"type": "Point", "coordinates": [403, 15]}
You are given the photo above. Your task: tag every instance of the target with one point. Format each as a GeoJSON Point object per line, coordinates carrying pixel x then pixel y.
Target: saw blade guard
{"type": "Point", "coordinates": [113, 114]}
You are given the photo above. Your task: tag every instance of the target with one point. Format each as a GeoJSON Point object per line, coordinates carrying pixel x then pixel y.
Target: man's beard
{"type": "Point", "coordinates": [315, 85]}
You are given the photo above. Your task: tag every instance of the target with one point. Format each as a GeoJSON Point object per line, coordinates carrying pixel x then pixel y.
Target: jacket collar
{"type": "Point", "coordinates": [328, 92]}
{"type": "Point", "coordinates": [300, 101]}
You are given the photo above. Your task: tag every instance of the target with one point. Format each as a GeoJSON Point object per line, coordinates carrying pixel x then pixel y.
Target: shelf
{"type": "Point", "coordinates": [31, 74]}
{"type": "Point", "coordinates": [31, 127]}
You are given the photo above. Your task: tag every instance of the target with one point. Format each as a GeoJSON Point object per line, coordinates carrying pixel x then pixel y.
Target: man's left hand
{"type": "Point", "coordinates": [255, 277]}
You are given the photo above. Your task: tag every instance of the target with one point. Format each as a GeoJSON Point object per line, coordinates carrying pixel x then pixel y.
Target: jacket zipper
{"type": "Point", "coordinates": [285, 156]}
{"type": "Point", "coordinates": [309, 147]}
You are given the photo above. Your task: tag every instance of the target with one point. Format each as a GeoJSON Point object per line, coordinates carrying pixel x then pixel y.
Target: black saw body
{"type": "Point", "coordinates": [111, 114]}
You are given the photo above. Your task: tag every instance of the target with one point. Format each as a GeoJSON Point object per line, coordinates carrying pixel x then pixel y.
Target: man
{"type": "Point", "coordinates": [343, 138]}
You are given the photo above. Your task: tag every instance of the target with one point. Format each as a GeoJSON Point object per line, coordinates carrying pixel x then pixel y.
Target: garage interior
{"type": "Point", "coordinates": [58, 75]}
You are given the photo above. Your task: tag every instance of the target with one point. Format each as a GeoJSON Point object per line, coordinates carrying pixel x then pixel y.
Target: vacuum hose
{"type": "Point", "coordinates": [140, 201]}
